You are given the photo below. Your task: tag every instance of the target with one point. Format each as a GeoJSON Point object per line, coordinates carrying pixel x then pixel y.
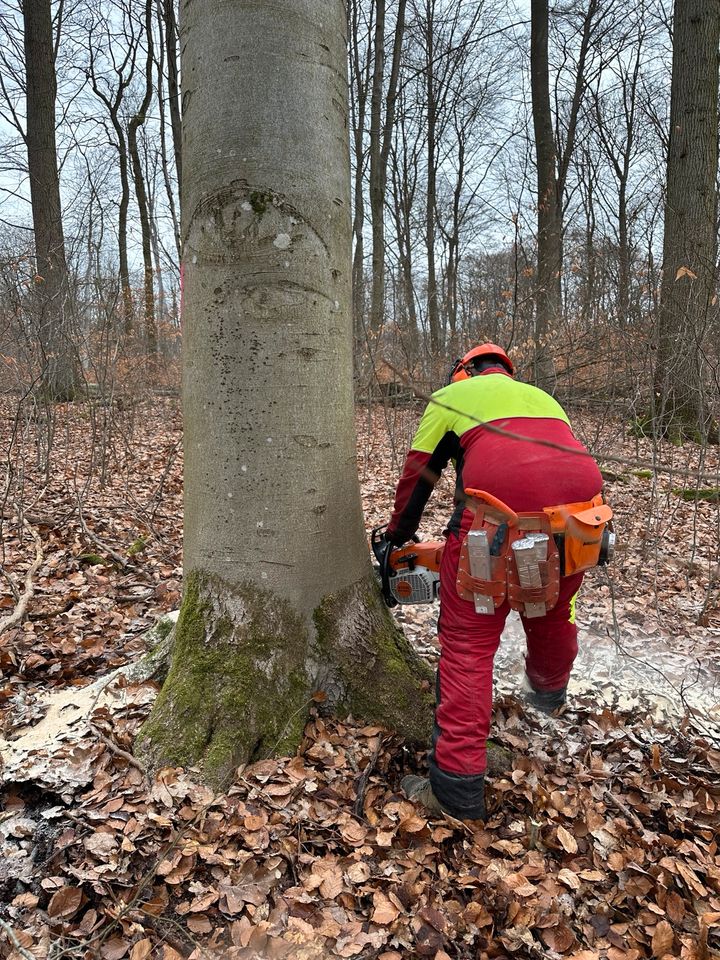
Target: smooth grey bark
{"type": "Point", "coordinates": [52, 289]}
{"type": "Point", "coordinates": [279, 596]}
{"type": "Point", "coordinates": [687, 306]}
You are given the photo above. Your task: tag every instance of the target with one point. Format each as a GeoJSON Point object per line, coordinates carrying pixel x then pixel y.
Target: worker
{"type": "Point", "coordinates": [527, 476]}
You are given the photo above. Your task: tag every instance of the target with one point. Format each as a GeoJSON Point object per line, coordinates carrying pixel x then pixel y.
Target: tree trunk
{"type": "Point", "coordinates": [358, 99]}
{"type": "Point", "coordinates": [114, 107]}
{"type": "Point", "coordinates": [279, 597]}
{"type": "Point", "coordinates": [433, 308]}
{"type": "Point", "coordinates": [169, 20]}
{"type": "Point", "coordinates": [137, 121]}
{"type": "Point", "coordinates": [689, 246]}
{"type": "Point", "coordinates": [59, 377]}
{"type": "Point", "coordinates": [169, 188]}
{"type": "Point", "coordinates": [548, 302]}
{"type": "Point", "coordinates": [380, 139]}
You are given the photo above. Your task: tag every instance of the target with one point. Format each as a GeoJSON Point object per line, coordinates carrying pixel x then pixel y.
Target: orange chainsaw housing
{"type": "Point", "coordinates": [427, 554]}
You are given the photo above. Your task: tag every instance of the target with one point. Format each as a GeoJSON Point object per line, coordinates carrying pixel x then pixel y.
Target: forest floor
{"type": "Point", "coordinates": [601, 841]}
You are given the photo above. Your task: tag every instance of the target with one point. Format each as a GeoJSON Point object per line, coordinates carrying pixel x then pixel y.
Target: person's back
{"type": "Point", "coordinates": [528, 473]}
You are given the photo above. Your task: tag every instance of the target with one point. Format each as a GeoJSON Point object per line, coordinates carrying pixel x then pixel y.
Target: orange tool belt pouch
{"type": "Point", "coordinates": [578, 529]}
{"type": "Point", "coordinates": [574, 537]}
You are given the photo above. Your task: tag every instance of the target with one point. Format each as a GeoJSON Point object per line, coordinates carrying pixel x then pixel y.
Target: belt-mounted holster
{"type": "Point", "coordinates": [574, 543]}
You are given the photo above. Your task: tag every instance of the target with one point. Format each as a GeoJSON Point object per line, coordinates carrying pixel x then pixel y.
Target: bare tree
{"type": "Point", "coordinates": [381, 124]}
{"type": "Point", "coordinates": [52, 282]}
{"type": "Point", "coordinates": [136, 122]}
{"type": "Point", "coordinates": [553, 162]}
{"type": "Point", "coordinates": [687, 296]}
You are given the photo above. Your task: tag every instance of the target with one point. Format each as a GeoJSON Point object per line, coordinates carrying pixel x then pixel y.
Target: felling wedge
{"type": "Point", "coordinates": [506, 555]}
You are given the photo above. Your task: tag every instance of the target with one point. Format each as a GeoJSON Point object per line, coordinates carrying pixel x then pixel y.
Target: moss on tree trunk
{"type": "Point", "coordinates": [237, 687]}
{"type": "Point", "coordinates": [245, 666]}
{"type": "Point", "coordinates": [370, 668]}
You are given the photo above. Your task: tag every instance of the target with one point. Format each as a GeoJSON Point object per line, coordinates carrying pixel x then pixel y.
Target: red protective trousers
{"type": "Point", "coordinates": [468, 642]}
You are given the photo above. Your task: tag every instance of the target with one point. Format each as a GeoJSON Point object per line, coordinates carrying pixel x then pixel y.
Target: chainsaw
{"type": "Point", "coordinates": [408, 574]}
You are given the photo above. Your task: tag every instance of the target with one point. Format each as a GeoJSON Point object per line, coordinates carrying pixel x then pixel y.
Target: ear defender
{"type": "Point", "coordinates": [458, 372]}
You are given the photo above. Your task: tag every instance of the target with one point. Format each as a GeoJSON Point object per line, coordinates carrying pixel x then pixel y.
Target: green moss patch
{"type": "Point", "coordinates": [237, 688]}
{"type": "Point", "coordinates": [382, 678]}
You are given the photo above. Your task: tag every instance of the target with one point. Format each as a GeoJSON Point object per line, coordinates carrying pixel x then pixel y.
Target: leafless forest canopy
{"type": "Point", "coordinates": [506, 185]}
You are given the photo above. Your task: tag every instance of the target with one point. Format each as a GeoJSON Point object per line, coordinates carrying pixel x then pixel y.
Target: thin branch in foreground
{"type": "Point", "coordinates": [15, 942]}
{"type": "Point", "coordinates": [18, 613]}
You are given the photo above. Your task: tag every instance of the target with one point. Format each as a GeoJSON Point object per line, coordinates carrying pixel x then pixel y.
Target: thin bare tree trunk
{"type": "Point", "coordinates": [380, 140]}
{"type": "Point", "coordinates": [431, 195]}
{"type": "Point", "coordinates": [359, 73]}
{"type": "Point", "coordinates": [136, 122]}
{"type": "Point", "coordinates": [59, 376]}
{"type": "Point", "coordinates": [548, 302]}
{"type": "Point", "coordinates": [171, 36]}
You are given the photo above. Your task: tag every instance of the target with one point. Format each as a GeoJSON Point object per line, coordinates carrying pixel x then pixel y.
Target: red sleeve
{"type": "Point", "coordinates": [414, 471]}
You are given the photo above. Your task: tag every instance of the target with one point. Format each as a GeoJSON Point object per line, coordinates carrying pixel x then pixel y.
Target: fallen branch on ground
{"type": "Point", "coordinates": [18, 613]}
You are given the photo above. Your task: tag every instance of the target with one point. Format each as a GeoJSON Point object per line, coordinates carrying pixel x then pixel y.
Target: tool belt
{"type": "Point", "coordinates": [574, 543]}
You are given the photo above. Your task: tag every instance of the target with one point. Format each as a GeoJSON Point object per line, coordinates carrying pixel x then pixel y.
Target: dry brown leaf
{"type": "Point", "coordinates": [332, 884]}
{"type": "Point", "coordinates": [559, 938]}
{"type": "Point", "coordinates": [385, 911]}
{"type": "Point", "coordinates": [569, 878]}
{"type": "Point", "coordinates": [141, 950]}
{"type": "Point", "coordinates": [662, 939]}
{"type": "Point", "coordinates": [25, 901]}
{"type": "Point", "coordinates": [65, 902]}
{"type": "Point", "coordinates": [568, 841]}
{"type": "Point", "coordinates": [114, 949]}
{"type": "Point", "coordinates": [354, 832]}
{"type": "Point", "coordinates": [358, 872]}
{"type": "Point", "coordinates": [675, 907]}
{"type": "Point", "coordinates": [685, 272]}
{"type": "Point", "coordinates": [199, 923]}
{"type": "Point", "coordinates": [169, 953]}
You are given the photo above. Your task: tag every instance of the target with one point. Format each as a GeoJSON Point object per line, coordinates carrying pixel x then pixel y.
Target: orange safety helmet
{"type": "Point", "coordinates": [460, 369]}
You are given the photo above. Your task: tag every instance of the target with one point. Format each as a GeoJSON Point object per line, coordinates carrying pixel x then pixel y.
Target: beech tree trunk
{"type": "Point", "coordinates": [59, 376]}
{"type": "Point", "coordinates": [687, 293]}
{"type": "Point", "coordinates": [279, 600]}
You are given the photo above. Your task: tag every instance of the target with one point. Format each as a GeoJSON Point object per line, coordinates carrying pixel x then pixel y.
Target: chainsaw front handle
{"type": "Point", "coordinates": [382, 549]}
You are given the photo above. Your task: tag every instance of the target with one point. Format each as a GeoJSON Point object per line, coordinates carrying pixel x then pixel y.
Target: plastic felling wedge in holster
{"type": "Point", "coordinates": [520, 556]}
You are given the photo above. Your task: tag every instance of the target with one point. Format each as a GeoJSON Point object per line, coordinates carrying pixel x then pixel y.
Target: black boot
{"type": "Point", "coordinates": [547, 701]}
{"type": "Point", "coordinates": [419, 790]}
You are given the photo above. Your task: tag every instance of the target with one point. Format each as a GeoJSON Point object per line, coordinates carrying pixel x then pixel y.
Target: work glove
{"type": "Point", "coordinates": [382, 546]}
